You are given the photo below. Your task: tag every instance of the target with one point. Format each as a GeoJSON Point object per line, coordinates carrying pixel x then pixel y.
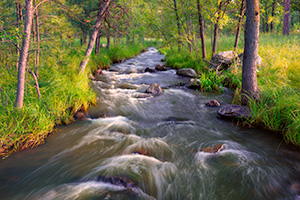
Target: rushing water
{"type": "Point", "coordinates": [81, 160]}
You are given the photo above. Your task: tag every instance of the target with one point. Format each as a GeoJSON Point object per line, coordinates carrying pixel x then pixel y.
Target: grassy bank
{"type": "Point", "coordinates": [278, 79]}
{"type": "Point", "coordinates": [63, 92]}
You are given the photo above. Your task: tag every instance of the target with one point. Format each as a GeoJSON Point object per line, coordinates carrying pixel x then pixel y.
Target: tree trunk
{"type": "Point", "coordinates": [38, 40]}
{"type": "Point", "coordinates": [36, 83]}
{"type": "Point", "coordinates": [23, 56]}
{"type": "Point", "coordinates": [18, 22]}
{"type": "Point", "coordinates": [249, 76]}
{"type": "Point", "coordinates": [266, 22]}
{"type": "Point", "coordinates": [178, 26]}
{"type": "Point", "coordinates": [216, 29]}
{"type": "Point", "coordinates": [202, 35]}
{"type": "Point", "coordinates": [238, 31]}
{"type": "Point", "coordinates": [272, 14]}
{"type": "Point", "coordinates": [286, 17]}
{"type": "Point", "coordinates": [98, 43]}
{"type": "Point", "coordinates": [93, 36]}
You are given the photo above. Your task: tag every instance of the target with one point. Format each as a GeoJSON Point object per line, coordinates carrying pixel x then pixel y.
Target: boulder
{"type": "Point", "coordinates": [215, 149]}
{"type": "Point", "coordinates": [161, 68]}
{"type": "Point", "coordinates": [232, 111]}
{"type": "Point", "coordinates": [154, 89]}
{"type": "Point", "coordinates": [213, 103]}
{"type": "Point", "coordinates": [194, 84]}
{"type": "Point", "coordinates": [150, 70]}
{"type": "Point", "coordinates": [241, 56]}
{"type": "Point", "coordinates": [188, 72]}
{"type": "Point", "coordinates": [130, 71]}
{"type": "Point", "coordinates": [223, 60]}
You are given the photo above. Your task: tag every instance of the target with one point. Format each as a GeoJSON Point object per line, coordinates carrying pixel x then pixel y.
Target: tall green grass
{"type": "Point", "coordinates": [63, 92]}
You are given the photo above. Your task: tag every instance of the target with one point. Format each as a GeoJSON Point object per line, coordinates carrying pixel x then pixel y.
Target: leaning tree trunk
{"type": "Point", "coordinates": [286, 17]}
{"type": "Point", "coordinates": [249, 76]}
{"type": "Point", "coordinates": [202, 35]}
{"type": "Point", "coordinates": [24, 55]}
{"type": "Point", "coordinates": [93, 37]}
{"type": "Point", "coordinates": [238, 31]}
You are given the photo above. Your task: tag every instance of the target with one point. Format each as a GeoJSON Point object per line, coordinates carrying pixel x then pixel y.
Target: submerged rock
{"type": "Point", "coordinates": [232, 111]}
{"type": "Point", "coordinates": [161, 68]}
{"type": "Point", "coordinates": [214, 149]}
{"type": "Point", "coordinates": [118, 181]}
{"type": "Point", "coordinates": [213, 103]}
{"type": "Point", "coordinates": [150, 70]}
{"type": "Point", "coordinates": [223, 60]}
{"type": "Point", "coordinates": [194, 84]}
{"type": "Point", "coordinates": [154, 89]}
{"type": "Point", "coordinates": [188, 72]}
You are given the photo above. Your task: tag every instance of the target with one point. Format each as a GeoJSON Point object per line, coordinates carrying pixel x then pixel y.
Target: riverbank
{"type": "Point", "coordinates": [278, 77]}
{"type": "Point", "coordinates": [63, 92]}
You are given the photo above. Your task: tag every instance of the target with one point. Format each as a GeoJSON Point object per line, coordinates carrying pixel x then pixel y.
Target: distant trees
{"type": "Point", "coordinates": [286, 17]}
{"type": "Point", "coordinates": [249, 76]}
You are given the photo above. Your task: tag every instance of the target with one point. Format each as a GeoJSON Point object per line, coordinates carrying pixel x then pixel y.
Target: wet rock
{"type": "Point", "coordinates": [98, 72]}
{"type": "Point", "coordinates": [214, 149]}
{"type": "Point", "coordinates": [79, 116]}
{"type": "Point", "coordinates": [241, 56]}
{"type": "Point", "coordinates": [188, 72]}
{"type": "Point", "coordinates": [161, 68]}
{"type": "Point", "coordinates": [154, 89]}
{"type": "Point", "coordinates": [118, 181]}
{"type": "Point", "coordinates": [233, 111]}
{"type": "Point", "coordinates": [141, 95]}
{"type": "Point", "coordinates": [222, 59]}
{"type": "Point", "coordinates": [213, 103]}
{"type": "Point", "coordinates": [130, 71]}
{"type": "Point", "coordinates": [295, 188]}
{"type": "Point", "coordinates": [121, 61]}
{"type": "Point", "coordinates": [150, 70]}
{"type": "Point", "coordinates": [163, 60]}
{"type": "Point", "coordinates": [194, 84]}
{"type": "Point", "coordinates": [176, 119]}
{"type": "Point", "coordinates": [141, 152]}
{"type": "Point", "coordinates": [143, 50]}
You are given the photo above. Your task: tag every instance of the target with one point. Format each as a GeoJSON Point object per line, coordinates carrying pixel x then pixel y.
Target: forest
{"type": "Point", "coordinates": [50, 49]}
{"type": "Point", "coordinates": [161, 99]}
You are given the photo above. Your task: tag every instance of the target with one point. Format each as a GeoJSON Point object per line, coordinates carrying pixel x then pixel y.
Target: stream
{"type": "Point", "coordinates": [138, 147]}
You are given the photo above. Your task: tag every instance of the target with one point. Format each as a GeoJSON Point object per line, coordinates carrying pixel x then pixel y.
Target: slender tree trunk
{"type": "Point", "coordinates": [18, 22]}
{"type": "Point", "coordinates": [23, 56]}
{"type": "Point", "coordinates": [178, 26]}
{"type": "Point", "coordinates": [266, 22]}
{"type": "Point", "coordinates": [98, 43]}
{"type": "Point", "coordinates": [93, 36]}
{"type": "Point", "coordinates": [238, 30]}
{"type": "Point", "coordinates": [216, 29]}
{"type": "Point", "coordinates": [272, 14]}
{"type": "Point", "coordinates": [249, 76]}
{"type": "Point", "coordinates": [38, 39]}
{"type": "Point", "coordinates": [286, 17]}
{"type": "Point", "coordinates": [201, 25]}
{"type": "Point", "coordinates": [36, 83]}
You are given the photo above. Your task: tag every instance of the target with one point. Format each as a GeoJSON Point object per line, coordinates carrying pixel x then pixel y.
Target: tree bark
{"type": "Point", "coordinates": [249, 76]}
{"type": "Point", "coordinates": [92, 41]}
{"type": "Point", "coordinates": [24, 55]}
{"type": "Point", "coordinates": [38, 39]}
{"type": "Point", "coordinates": [216, 30]}
{"type": "Point", "coordinates": [238, 31]}
{"type": "Point", "coordinates": [272, 14]}
{"type": "Point", "coordinates": [286, 17]}
{"type": "Point", "coordinates": [98, 43]}
{"type": "Point", "coordinates": [178, 26]}
{"type": "Point", "coordinates": [201, 25]}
